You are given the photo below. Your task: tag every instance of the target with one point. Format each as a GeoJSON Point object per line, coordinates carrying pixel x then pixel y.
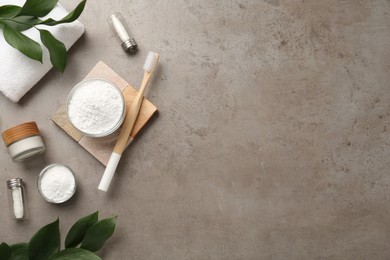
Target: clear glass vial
{"type": "Point", "coordinates": [17, 198]}
{"type": "Point", "coordinates": [118, 25]}
{"type": "Point", "coordinates": [24, 141]}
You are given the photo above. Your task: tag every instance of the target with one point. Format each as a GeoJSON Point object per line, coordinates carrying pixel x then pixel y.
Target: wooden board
{"type": "Point", "coordinates": [101, 148]}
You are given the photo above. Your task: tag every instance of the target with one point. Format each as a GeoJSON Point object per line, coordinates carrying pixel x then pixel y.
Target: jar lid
{"type": "Point", "coordinates": [16, 182]}
{"type": "Point", "coordinates": [20, 132]}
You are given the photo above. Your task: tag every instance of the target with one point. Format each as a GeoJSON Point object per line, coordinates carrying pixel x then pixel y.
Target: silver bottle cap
{"type": "Point", "coordinates": [13, 183]}
{"type": "Point", "coordinates": [130, 45]}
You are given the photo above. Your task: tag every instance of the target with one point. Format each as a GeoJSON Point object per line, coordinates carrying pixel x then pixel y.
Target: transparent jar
{"type": "Point", "coordinates": [17, 198]}
{"type": "Point", "coordinates": [86, 107]}
{"type": "Point", "coordinates": [57, 183]}
{"type": "Point", "coordinates": [24, 141]}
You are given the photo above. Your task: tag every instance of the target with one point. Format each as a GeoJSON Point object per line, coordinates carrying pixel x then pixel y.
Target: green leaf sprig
{"type": "Point", "coordinates": [16, 19]}
{"type": "Point", "coordinates": [45, 244]}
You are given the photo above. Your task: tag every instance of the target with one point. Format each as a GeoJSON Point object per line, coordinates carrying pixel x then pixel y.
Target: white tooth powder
{"type": "Point", "coordinates": [96, 107]}
{"type": "Point", "coordinates": [56, 183]}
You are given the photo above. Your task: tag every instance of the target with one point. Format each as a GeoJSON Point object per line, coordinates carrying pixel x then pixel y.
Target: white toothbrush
{"type": "Point", "coordinates": [131, 116]}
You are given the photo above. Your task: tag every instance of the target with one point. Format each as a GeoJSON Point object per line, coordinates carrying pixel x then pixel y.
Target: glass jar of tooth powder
{"type": "Point", "coordinates": [24, 141]}
{"type": "Point", "coordinates": [56, 183]}
{"type": "Point", "coordinates": [96, 107]}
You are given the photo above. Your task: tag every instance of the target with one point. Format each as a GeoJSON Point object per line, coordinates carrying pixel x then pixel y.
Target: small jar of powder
{"type": "Point", "coordinates": [96, 107]}
{"type": "Point", "coordinates": [56, 183]}
{"type": "Point", "coordinates": [23, 141]}
{"type": "Point", "coordinates": [17, 198]}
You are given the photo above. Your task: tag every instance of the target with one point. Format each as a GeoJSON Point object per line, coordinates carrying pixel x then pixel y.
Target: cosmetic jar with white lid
{"type": "Point", "coordinates": [24, 141]}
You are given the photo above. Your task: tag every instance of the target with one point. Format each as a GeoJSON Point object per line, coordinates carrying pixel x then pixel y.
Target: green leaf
{"type": "Point", "coordinates": [19, 251]}
{"type": "Point", "coordinates": [74, 253]}
{"type": "Point", "coordinates": [71, 17]}
{"type": "Point", "coordinates": [45, 242]}
{"type": "Point", "coordinates": [98, 234]}
{"type": "Point", "coordinates": [21, 42]}
{"type": "Point", "coordinates": [78, 230]}
{"type": "Point", "coordinates": [56, 49]}
{"type": "Point", "coordinates": [37, 8]}
{"type": "Point", "coordinates": [9, 11]}
{"type": "Point", "coordinates": [5, 251]}
{"type": "Point", "coordinates": [22, 23]}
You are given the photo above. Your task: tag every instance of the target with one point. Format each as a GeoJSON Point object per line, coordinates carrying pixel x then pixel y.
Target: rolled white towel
{"type": "Point", "coordinates": [18, 73]}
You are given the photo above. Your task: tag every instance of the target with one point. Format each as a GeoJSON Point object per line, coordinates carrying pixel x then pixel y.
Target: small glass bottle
{"type": "Point", "coordinates": [17, 198]}
{"type": "Point", "coordinates": [118, 24]}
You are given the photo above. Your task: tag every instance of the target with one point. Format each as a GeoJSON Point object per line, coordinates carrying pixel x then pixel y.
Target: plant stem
{"type": "Point", "coordinates": [9, 19]}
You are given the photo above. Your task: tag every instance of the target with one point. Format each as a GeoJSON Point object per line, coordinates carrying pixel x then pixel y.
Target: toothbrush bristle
{"type": "Point", "coordinates": [150, 61]}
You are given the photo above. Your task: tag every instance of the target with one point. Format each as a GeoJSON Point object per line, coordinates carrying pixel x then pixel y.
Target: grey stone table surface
{"type": "Point", "coordinates": [271, 142]}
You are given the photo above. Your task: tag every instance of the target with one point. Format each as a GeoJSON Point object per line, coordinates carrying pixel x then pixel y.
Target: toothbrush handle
{"type": "Point", "coordinates": [131, 117]}
{"type": "Point", "coordinates": [109, 172]}
{"type": "Point", "coordinates": [124, 137]}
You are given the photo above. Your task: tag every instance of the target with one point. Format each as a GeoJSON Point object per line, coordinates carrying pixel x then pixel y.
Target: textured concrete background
{"type": "Point", "coordinates": [272, 140]}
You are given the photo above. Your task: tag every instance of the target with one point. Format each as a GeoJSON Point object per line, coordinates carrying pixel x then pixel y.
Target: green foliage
{"type": "Point", "coordinates": [19, 251]}
{"type": "Point", "coordinates": [9, 11]}
{"type": "Point", "coordinates": [15, 19]}
{"type": "Point", "coordinates": [71, 17]}
{"type": "Point", "coordinates": [98, 234]}
{"type": "Point", "coordinates": [21, 23]}
{"type": "Point", "coordinates": [45, 244]}
{"type": "Point", "coordinates": [5, 251]}
{"type": "Point", "coordinates": [25, 45]}
{"type": "Point", "coordinates": [78, 230]}
{"type": "Point", "coordinates": [56, 49]}
{"type": "Point", "coordinates": [75, 253]}
{"type": "Point", "coordinates": [37, 8]}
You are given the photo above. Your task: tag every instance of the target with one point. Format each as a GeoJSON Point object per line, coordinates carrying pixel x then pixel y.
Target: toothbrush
{"type": "Point", "coordinates": [131, 116]}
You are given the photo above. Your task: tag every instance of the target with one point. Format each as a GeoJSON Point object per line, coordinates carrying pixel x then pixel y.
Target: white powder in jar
{"type": "Point", "coordinates": [57, 183]}
{"type": "Point", "coordinates": [96, 107]}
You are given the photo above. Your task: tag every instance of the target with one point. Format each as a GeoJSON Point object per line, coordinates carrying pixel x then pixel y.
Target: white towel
{"type": "Point", "coordinates": [18, 73]}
